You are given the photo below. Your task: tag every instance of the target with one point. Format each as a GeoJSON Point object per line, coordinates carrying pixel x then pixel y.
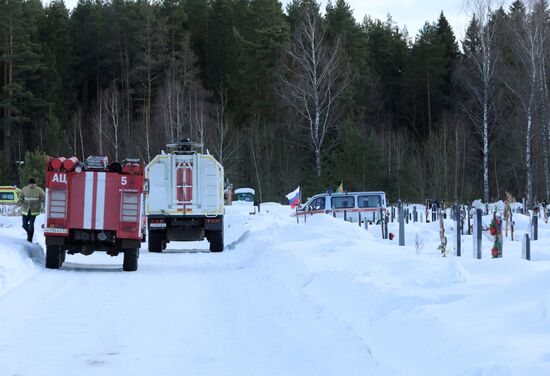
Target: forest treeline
{"type": "Point", "coordinates": [286, 95]}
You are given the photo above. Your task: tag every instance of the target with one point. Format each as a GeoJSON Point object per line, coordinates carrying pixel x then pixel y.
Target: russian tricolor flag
{"type": "Point", "coordinates": [294, 198]}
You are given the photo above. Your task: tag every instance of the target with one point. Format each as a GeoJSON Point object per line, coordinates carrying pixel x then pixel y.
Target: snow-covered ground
{"type": "Point", "coordinates": [321, 298]}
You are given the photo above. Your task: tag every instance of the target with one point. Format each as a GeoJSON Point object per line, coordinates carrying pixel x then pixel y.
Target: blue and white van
{"type": "Point", "coordinates": [367, 204]}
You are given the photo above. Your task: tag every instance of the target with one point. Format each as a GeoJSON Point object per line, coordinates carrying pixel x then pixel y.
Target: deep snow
{"type": "Point", "coordinates": [320, 298]}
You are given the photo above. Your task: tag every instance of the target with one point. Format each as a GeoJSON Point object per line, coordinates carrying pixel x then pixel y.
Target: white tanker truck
{"type": "Point", "coordinates": [184, 197]}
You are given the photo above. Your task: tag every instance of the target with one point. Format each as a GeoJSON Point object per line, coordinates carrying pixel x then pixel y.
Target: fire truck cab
{"type": "Point", "coordinates": [94, 206]}
{"type": "Point", "coordinates": [185, 197]}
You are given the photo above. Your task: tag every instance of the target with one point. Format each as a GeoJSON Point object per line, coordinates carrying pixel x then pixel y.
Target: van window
{"type": "Point", "coordinates": [343, 202]}
{"type": "Point", "coordinates": [317, 204]}
{"type": "Point", "coordinates": [6, 196]}
{"type": "Point", "coordinates": [368, 201]}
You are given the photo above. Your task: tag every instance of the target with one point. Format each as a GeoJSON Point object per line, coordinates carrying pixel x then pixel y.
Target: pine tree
{"type": "Point", "coordinates": [296, 8]}
{"type": "Point", "coordinates": [471, 42]}
{"type": "Point", "coordinates": [260, 46]}
{"type": "Point", "coordinates": [425, 80]}
{"type": "Point", "coordinates": [147, 73]}
{"type": "Point", "coordinates": [341, 25]}
{"type": "Point", "coordinates": [57, 39]}
{"type": "Point", "coordinates": [451, 58]}
{"type": "Point", "coordinates": [386, 55]}
{"type": "Point", "coordinates": [22, 99]}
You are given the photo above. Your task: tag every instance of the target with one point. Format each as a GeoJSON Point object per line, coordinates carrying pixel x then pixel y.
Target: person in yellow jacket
{"type": "Point", "coordinates": [31, 199]}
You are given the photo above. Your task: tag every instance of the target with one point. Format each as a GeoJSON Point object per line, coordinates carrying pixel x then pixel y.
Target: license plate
{"type": "Point", "coordinates": [56, 230]}
{"type": "Point", "coordinates": [157, 225]}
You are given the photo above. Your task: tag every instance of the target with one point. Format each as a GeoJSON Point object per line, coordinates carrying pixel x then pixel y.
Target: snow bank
{"type": "Point", "coordinates": [18, 258]}
{"type": "Point", "coordinates": [325, 297]}
{"type": "Point", "coordinates": [414, 312]}
{"type": "Point", "coordinates": [499, 205]}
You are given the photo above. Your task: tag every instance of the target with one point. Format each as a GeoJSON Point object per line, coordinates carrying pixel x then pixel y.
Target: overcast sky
{"type": "Point", "coordinates": [410, 13]}
{"type": "Point", "coordinates": [413, 13]}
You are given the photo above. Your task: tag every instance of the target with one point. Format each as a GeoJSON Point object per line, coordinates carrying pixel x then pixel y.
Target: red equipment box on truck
{"type": "Point", "coordinates": [94, 206]}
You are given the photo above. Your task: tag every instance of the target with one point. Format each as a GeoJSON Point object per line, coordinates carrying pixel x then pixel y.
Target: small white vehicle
{"type": "Point", "coordinates": [367, 204]}
{"type": "Point", "coordinates": [244, 196]}
{"type": "Point", "coordinates": [184, 200]}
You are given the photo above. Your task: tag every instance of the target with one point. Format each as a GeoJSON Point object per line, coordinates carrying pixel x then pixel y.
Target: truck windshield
{"type": "Point", "coordinates": [8, 196]}
{"type": "Point", "coordinates": [317, 204]}
{"type": "Point", "coordinates": [249, 197]}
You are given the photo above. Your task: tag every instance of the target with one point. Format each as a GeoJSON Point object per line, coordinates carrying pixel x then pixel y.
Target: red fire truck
{"type": "Point", "coordinates": [94, 206]}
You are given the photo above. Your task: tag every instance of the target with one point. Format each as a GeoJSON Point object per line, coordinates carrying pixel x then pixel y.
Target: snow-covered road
{"type": "Point", "coordinates": [322, 298]}
{"type": "Point", "coordinates": [182, 313]}
{"type": "Point", "coordinates": [192, 314]}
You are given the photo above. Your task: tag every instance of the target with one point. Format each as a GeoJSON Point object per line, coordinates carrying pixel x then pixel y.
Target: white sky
{"type": "Point", "coordinates": [414, 13]}
{"type": "Point", "coordinates": [410, 13]}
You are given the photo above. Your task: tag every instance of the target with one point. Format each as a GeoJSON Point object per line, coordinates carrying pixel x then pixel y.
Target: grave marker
{"type": "Point", "coordinates": [401, 226]}
{"type": "Point", "coordinates": [526, 247]}
{"type": "Point", "coordinates": [458, 230]}
{"type": "Point", "coordinates": [477, 233]}
{"type": "Point", "coordinates": [534, 226]}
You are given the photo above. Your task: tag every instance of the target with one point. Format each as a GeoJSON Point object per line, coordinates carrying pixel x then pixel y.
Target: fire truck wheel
{"type": "Point", "coordinates": [216, 241]}
{"type": "Point", "coordinates": [53, 257]}
{"type": "Point", "coordinates": [156, 241]}
{"type": "Point", "coordinates": [130, 263]}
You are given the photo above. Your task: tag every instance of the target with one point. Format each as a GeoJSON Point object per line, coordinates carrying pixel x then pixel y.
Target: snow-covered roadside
{"type": "Point", "coordinates": [325, 298]}
{"type": "Point", "coordinates": [18, 258]}
{"type": "Point", "coordinates": [417, 313]}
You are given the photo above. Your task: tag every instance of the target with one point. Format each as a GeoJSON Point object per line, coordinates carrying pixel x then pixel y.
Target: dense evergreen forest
{"type": "Point", "coordinates": [286, 95]}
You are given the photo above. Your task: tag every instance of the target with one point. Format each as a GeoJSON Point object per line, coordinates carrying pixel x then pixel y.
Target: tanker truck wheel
{"type": "Point", "coordinates": [155, 241]}
{"type": "Point", "coordinates": [130, 263]}
{"type": "Point", "coordinates": [54, 258]}
{"type": "Point", "coordinates": [216, 241]}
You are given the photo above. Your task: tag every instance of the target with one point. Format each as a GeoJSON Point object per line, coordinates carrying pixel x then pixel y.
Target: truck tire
{"type": "Point", "coordinates": [216, 241]}
{"type": "Point", "coordinates": [53, 257]}
{"type": "Point", "coordinates": [130, 263]}
{"type": "Point", "coordinates": [155, 243]}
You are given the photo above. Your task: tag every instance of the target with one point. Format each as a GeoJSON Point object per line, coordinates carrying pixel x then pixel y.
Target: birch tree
{"type": "Point", "coordinates": [147, 69]}
{"type": "Point", "coordinates": [480, 76]}
{"type": "Point", "coordinates": [528, 47]}
{"type": "Point", "coordinates": [314, 81]}
{"type": "Point", "coordinates": [111, 99]}
{"type": "Point", "coordinates": [222, 144]}
{"type": "Point", "coordinates": [542, 11]}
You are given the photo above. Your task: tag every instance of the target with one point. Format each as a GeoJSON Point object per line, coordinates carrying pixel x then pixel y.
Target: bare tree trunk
{"type": "Point", "coordinates": [546, 156]}
{"type": "Point", "coordinates": [529, 45]}
{"type": "Point", "coordinates": [481, 84]}
{"type": "Point", "coordinates": [100, 124]}
{"type": "Point", "coordinates": [528, 140]}
{"type": "Point", "coordinates": [179, 110]}
{"type": "Point", "coordinates": [75, 132]}
{"type": "Point", "coordinates": [253, 136]}
{"type": "Point", "coordinates": [8, 79]}
{"type": "Point", "coordinates": [169, 126]}
{"type": "Point", "coordinates": [128, 96]}
{"type": "Point", "coordinates": [429, 104]}
{"type": "Point", "coordinates": [112, 104]}
{"type": "Point", "coordinates": [457, 162]}
{"type": "Point", "coordinates": [485, 146]}
{"type": "Point", "coordinates": [80, 133]}
{"type": "Point", "coordinates": [314, 81]}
